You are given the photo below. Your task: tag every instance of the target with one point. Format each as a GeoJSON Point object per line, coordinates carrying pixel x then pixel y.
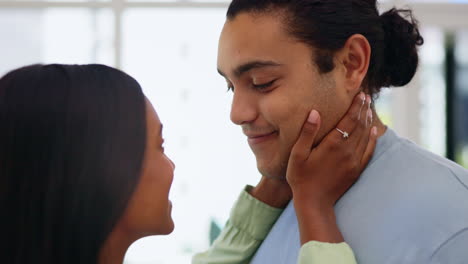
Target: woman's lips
{"type": "Point", "coordinates": [169, 207]}
{"type": "Point", "coordinates": [253, 140]}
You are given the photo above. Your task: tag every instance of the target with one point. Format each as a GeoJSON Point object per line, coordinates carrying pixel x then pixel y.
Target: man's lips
{"type": "Point", "coordinates": [259, 138]}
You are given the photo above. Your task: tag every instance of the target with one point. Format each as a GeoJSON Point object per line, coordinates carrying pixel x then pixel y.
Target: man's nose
{"type": "Point", "coordinates": [243, 109]}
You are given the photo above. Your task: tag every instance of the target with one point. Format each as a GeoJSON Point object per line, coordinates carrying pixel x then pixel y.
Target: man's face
{"type": "Point", "coordinates": [275, 85]}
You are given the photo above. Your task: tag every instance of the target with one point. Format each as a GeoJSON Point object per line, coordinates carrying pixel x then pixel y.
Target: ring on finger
{"type": "Point", "coordinates": [344, 133]}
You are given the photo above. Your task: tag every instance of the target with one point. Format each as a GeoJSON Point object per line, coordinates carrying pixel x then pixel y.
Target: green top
{"type": "Point", "coordinates": [249, 224]}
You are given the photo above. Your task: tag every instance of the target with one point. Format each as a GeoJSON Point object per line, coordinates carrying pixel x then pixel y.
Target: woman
{"type": "Point", "coordinates": [83, 173]}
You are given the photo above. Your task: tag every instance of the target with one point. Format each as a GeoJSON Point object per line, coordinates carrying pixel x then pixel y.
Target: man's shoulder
{"type": "Point", "coordinates": [417, 184]}
{"type": "Point", "coordinates": [411, 160]}
{"type": "Point", "coordinates": [412, 182]}
{"type": "Point", "coordinates": [408, 201]}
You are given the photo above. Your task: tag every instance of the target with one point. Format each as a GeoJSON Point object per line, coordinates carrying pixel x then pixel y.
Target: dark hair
{"type": "Point", "coordinates": [72, 142]}
{"type": "Point", "coordinates": [326, 25]}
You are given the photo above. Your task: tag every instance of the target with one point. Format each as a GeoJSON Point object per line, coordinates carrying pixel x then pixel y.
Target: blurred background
{"type": "Point", "coordinates": [170, 47]}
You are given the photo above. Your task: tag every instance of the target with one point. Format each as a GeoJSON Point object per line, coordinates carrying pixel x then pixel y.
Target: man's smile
{"type": "Point", "coordinates": [257, 138]}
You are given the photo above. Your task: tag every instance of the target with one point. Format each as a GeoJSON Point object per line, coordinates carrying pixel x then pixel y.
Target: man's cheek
{"type": "Point", "coordinates": [291, 135]}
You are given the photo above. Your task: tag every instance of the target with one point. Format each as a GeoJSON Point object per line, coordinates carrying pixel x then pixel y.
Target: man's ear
{"type": "Point", "coordinates": [355, 58]}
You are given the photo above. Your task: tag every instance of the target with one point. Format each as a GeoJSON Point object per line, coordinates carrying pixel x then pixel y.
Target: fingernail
{"type": "Point", "coordinates": [369, 114]}
{"type": "Point", "coordinates": [369, 100]}
{"type": "Point", "coordinates": [362, 96]}
{"type": "Point", "coordinates": [313, 117]}
{"type": "Point", "coordinates": [374, 131]}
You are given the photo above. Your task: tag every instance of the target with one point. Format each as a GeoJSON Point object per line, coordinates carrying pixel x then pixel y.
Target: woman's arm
{"type": "Point", "coordinates": [319, 176]}
{"type": "Point", "coordinates": [316, 182]}
{"type": "Point", "coordinates": [250, 221]}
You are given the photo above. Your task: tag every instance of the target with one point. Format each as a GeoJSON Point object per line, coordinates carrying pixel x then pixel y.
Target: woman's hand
{"type": "Point", "coordinates": [272, 191]}
{"type": "Point", "coordinates": [319, 176]}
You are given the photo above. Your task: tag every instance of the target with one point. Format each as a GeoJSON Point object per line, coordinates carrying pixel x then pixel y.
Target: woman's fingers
{"type": "Point", "coordinates": [362, 132]}
{"type": "Point", "coordinates": [349, 128]}
{"type": "Point", "coordinates": [301, 150]}
{"type": "Point", "coordinates": [370, 148]}
{"type": "Point", "coordinates": [352, 118]}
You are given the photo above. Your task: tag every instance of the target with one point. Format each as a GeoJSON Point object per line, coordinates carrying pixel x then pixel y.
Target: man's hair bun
{"type": "Point", "coordinates": [400, 53]}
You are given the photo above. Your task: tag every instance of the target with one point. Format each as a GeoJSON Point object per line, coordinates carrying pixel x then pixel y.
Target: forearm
{"type": "Point", "coordinates": [233, 246]}
{"type": "Point", "coordinates": [273, 192]}
{"type": "Point", "coordinates": [249, 223]}
{"type": "Point", "coordinates": [317, 221]}
{"type": "Point", "coordinates": [321, 239]}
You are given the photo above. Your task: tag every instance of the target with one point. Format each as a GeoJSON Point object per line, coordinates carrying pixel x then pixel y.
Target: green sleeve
{"type": "Point", "coordinates": [320, 252]}
{"type": "Point", "coordinates": [249, 223]}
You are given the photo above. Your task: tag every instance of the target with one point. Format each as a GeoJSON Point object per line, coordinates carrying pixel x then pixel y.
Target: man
{"type": "Point", "coordinates": [283, 58]}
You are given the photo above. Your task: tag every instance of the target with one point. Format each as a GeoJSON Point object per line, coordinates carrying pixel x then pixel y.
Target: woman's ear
{"type": "Point", "coordinates": [355, 58]}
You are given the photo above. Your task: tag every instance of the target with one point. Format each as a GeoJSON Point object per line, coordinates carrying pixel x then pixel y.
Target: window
{"type": "Point", "coordinates": [66, 35]}
{"type": "Point", "coordinates": [460, 98]}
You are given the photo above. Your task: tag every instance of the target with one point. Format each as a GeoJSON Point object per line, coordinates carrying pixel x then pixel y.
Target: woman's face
{"type": "Point", "coordinates": [149, 209]}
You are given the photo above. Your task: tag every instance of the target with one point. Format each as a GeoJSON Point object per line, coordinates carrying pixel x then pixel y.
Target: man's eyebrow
{"type": "Point", "coordinates": [243, 68]}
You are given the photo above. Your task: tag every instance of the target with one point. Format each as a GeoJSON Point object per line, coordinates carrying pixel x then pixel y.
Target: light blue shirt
{"type": "Point", "coordinates": [409, 206]}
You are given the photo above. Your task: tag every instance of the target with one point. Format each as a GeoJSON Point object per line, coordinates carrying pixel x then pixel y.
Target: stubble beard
{"type": "Point", "coordinates": [276, 172]}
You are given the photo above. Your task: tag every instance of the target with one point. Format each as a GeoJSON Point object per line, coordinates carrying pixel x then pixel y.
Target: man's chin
{"type": "Point", "coordinates": [277, 173]}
